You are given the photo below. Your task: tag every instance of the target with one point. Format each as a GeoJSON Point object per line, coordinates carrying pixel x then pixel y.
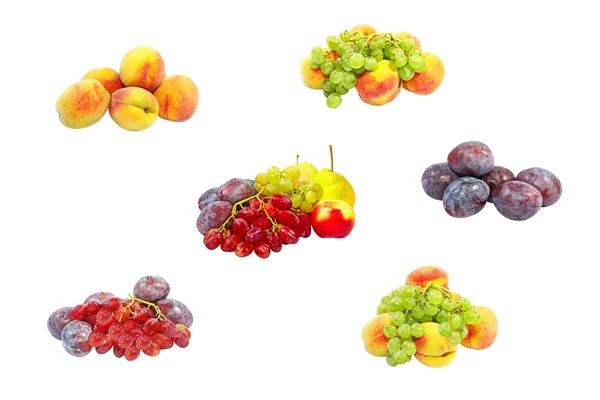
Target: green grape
{"type": "Point", "coordinates": [382, 308]}
{"type": "Point", "coordinates": [336, 77]}
{"type": "Point", "coordinates": [346, 65]}
{"type": "Point", "coordinates": [417, 330]}
{"type": "Point", "coordinates": [408, 291]}
{"type": "Point", "coordinates": [342, 48]}
{"type": "Point", "coordinates": [409, 347]}
{"type": "Point", "coordinates": [261, 178]}
{"type": "Point", "coordinates": [471, 317]}
{"type": "Point", "coordinates": [377, 55]}
{"type": "Point", "coordinates": [333, 101]}
{"type": "Point", "coordinates": [349, 80]}
{"type": "Point", "coordinates": [337, 64]}
{"type": "Point", "coordinates": [360, 70]}
{"type": "Point", "coordinates": [296, 200]}
{"type": "Point", "coordinates": [426, 318]}
{"type": "Point", "coordinates": [394, 344]}
{"type": "Point", "coordinates": [410, 319]}
{"type": "Point", "coordinates": [435, 297]}
{"type": "Point", "coordinates": [292, 172]}
{"type": "Point", "coordinates": [303, 187]}
{"type": "Point", "coordinates": [341, 90]}
{"type": "Point", "coordinates": [370, 63]}
{"type": "Point", "coordinates": [405, 331]}
{"type": "Point", "coordinates": [445, 329]}
{"type": "Point", "coordinates": [400, 357]}
{"type": "Point", "coordinates": [395, 53]}
{"type": "Point", "coordinates": [347, 55]}
{"type": "Point", "coordinates": [423, 68]}
{"type": "Point", "coordinates": [270, 190]}
{"type": "Point", "coordinates": [454, 321]}
{"type": "Point", "coordinates": [328, 86]}
{"type": "Point", "coordinates": [401, 60]}
{"type": "Point", "coordinates": [390, 330]}
{"type": "Point", "coordinates": [464, 304]}
{"type": "Point", "coordinates": [326, 93]}
{"type": "Point", "coordinates": [395, 303]}
{"type": "Point", "coordinates": [357, 60]}
{"type": "Point", "coordinates": [429, 308]}
{"type": "Point", "coordinates": [345, 35]}
{"type": "Point", "coordinates": [442, 316]}
{"type": "Point", "coordinates": [464, 332]}
{"type": "Point", "coordinates": [406, 73]}
{"type": "Point", "coordinates": [409, 303]}
{"type": "Point", "coordinates": [361, 42]}
{"type": "Point", "coordinates": [316, 51]}
{"type": "Point", "coordinates": [319, 59]}
{"type": "Point", "coordinates": [395, 293]}
{"type": "Point", "coordinates": [407, 44]}
{"type": "Point", "coordinates": [273, 175]}
{"type": "Point", "coordinates": [418, 312]}
{"type": "Point", "coordinates": [416, 52]}
{"type": "Point", "coordinates": [314, 186]}
{"type": "Point", "coordinates": [327, 67]}
{"type": "Point", "coordinates": [310, 196]}
{"type": "Point", "coordinates": [416, 62]}
{"type": "Point", "coordinates": [377, 43]}
{"type": "Point", "coordinates": [333, 42]}
{"type": "Point", "coordinates": [313, 64]}
{"type": "Point", "coordinates": [285, 185]}
{"type": "Point", "coordinates": [386, 299]}
{"type": "Point", "coordinates": [398, 318]}
{"type": "Point", "coordinates": [462, 323]}
{"type": "Point", "coordinates": [257, 186]}
{"type": "Point", "coordinates": [390, 360]}
{"type": "Point", "coordinates": [448, 304]}
{"type": "Point", "coordinates": [306, 207]}
{"type": "Point", "coordinates": [454, 337]}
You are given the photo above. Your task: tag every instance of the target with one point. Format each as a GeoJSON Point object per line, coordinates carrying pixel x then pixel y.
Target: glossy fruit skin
{"type": "Point", "coordinates": [210, 196]}
{"type": "Point", "coordinates": [176, 311]}
{"type": "Point", "coordinates": [151, 288]}
{"type": "Point", "coordinates": [436, 179]}
{"type": "Point", "coordinates": [235, 189]}
{"type": "Point", "coordinates": [57, 321]}
{"type": "Point", "coordinates": [465, 197]}
{"type": "Point", "coordinates": [496, 177]}
{"type": "Point", "coordinates": [545, 182]}
{"type": "Point", "coordinates": [517, 200]}
{"type": "Point", "coordinates": [471, 158]}
{"type": "Point", "coordinates": [74, 337]}
{"type": "Point", "coordinates": [213, 216]}
{"type": "Point", "coordinates": [332, 219]}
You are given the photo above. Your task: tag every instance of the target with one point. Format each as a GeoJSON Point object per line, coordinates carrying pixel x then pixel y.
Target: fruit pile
{"type": "Point", "coordinates": [425, 319]}
{"type": "Point", "coordinates": [146, 322]}
{"type": "Point", "coordinates": [276, 208]}
{"type": "Point", "coordinates": [134, 97]}
{"type": "Point", "coordinates": [469, 180]}
{"type": "Point", "coordinates": [378, 64]}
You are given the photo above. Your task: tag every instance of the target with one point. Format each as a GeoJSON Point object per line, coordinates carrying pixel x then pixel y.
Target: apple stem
{"type": "Point", "coordinates": [331, 156]}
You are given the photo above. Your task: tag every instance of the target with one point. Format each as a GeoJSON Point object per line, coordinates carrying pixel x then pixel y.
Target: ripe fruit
{"type": "Point", "coordinates": [335, 185]}
{"type": "Point", "coordinates": [333, 219]}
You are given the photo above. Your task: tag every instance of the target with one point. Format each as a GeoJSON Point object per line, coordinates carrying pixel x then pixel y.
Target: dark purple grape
{"type": "Point", "coordinates": [545, 182]}
{"type": "Point", "coordinates": [471, 159]}
{"type": "Point", "coordinates": [252, 182]}
{"type": "Point", "coordinates": [235, 189]}
{"type": "Point", "coordinates": [517, 200]}
{"type": "Point", "coordinates": [74, 337]}
{"type": "Point", "coordinates": [496, 177]}
{"type": "Point", "coordinates": [465, 197]}
{"type": "Point", "coordinates": [58, 319]}
{"type": "Point", "coordinates": [100, 297]}
{"type": "Point", "coordinates": [176, 311]}
{"type": "Point", "coordinates": [213, 216]}
{"type": "Point", "coordinates": [210, 196]}
{"type": "Point", "coordinates": [436, 179]}
{"type": "Point", "coordinates": [151, 288]}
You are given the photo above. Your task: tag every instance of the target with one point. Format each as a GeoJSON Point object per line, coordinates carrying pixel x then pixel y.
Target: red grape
{"type": "Point", "coordinates": [91, 319]}
{"type": "Point", "coordinates": [126, 340]}
{"type": "Point", "coordinates": [244, 249]}
{"type": "Point", "coordinates": [93, 307]}
{"type": "Point", "coordinates": [118, 351]}
{"type": "Point", "coordinates": [274, 241]}
{"type": "Point", "coordinates": [105, 347]}
{"type": "Point", "coordinates": [261, 249]}
{"type": "Point", "coordinates": [255, 234]}
{"type": "Point", "coordinates": [240, 226]}
{"type": "Point", "coordinates": [152, 350]}
{"type": "Point", "coordinates": [115, 331]}
{"type": "Point", "coordinates": [181, 339]}
{"type": "Point", "coordinates": [121, 314]}
{"type": "Point", "coordinates": [162, 341]}
{"type": "Point", "coordinates": [269, 209]}
{"type": "Point", "coordinates": [112, 304]}
{"type": "Point", "coordinates": [231, 242]}
{"type": "Point", "coordinates": [79, 312]}
{"type": "Point", "coordinates": [255, 203]}
{"type": "Point", "coordinates": [167, 328]}
{"type": "Point", "coordinates": [288, 218]}
{"type": "Point", "coordinates": [151, 326]}
{"type": "Point", "coordinates": [281, 202]}
{"type": "Point", "coordinates": [132, 353]}
{"type": "Point", "coordinates": [262, 222]}
{"type": "Point", "coordinates": [287, 235]}
{"type": "Point", "coordinates": [131, 325]}
{"type": "Point", "coordinates": [184, 329]}
{"type": "Point", "coordinates": [249, 214]}
{"type": "Point", "coordinates": [143, 341]}
{"type": "Point", "coordinates": [96, 338]}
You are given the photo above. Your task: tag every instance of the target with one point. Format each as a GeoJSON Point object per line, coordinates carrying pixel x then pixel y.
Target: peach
{"type": "Point", "coordinates": [429, 80]}
{"type": "Point", "coordinates": [142, 67]}
{"type": "Point", "coordinates": [177, 97]}
{"type": "Point", "coordinates": [372, 335]}
{"type": "Point", "coordinates": [108, 77]}
{"type": "Point", "coordinates": [363, 29]}
{"type": "Point", "coordinates": [82, 104]}
{"type": "Point", "coordinates": [404, 35]}
{"type": "Point", "coordinates": [133, 108]}
{"type": "Point", "coordinates": [433, 349]}
{"type": "Point", "coordinates": [436, 362]}
{"type": "Point", "coordinates": [483, 334]}
{"type": "Point", "coordinates": [379, 86]}
{"type": "Point", "coordinates": [430, 273]}
{"type": "Point", "coordinates": [313, 78]}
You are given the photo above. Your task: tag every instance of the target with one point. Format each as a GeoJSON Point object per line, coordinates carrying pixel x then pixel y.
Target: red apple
{"type": "Point", "coordinates": [332, 219]}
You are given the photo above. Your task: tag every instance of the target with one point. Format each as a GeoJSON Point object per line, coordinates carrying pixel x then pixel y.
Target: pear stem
{"type": "Point", "coordinates": [331, 156]}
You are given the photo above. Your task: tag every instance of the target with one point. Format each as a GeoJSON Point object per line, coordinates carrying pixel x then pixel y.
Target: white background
{"type": "Point", "coordinates": [96, 209]}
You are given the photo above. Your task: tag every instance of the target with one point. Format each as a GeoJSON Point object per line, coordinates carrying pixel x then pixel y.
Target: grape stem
{"type": "Point", "coordinates": [158, 313]}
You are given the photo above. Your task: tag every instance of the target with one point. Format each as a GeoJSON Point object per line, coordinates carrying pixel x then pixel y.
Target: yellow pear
{"type": "Point", "coordinates": [307, 172]}
{"type": "Point", "coordinates": [335, 186]}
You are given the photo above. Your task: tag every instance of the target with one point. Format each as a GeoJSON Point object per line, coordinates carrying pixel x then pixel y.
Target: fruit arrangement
{"type": "Point", "coordinates": [469, 180]}
{"type": "Point", "coordinates": [426, 320]}
{"type": "Point", "coordinates": [134, 96]}
{"type": "Point", "coordinates": [276, 208]}
{"type": "Point", "coordinates": [147, 322]}
{"type": "Point", "coordinates": [377, 64]}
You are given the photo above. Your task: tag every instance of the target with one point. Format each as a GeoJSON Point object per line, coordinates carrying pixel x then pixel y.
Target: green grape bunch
{"type": "Point", "coordinates": [303, 193]}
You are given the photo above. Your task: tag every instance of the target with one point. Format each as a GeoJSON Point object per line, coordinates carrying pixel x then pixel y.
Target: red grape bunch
{"type": "Point", "coordinates": [238, 219]}
{"type": "Point", "coordinates": [146, 322]}
{"type": "Point", "coordinates": [469, 180]}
